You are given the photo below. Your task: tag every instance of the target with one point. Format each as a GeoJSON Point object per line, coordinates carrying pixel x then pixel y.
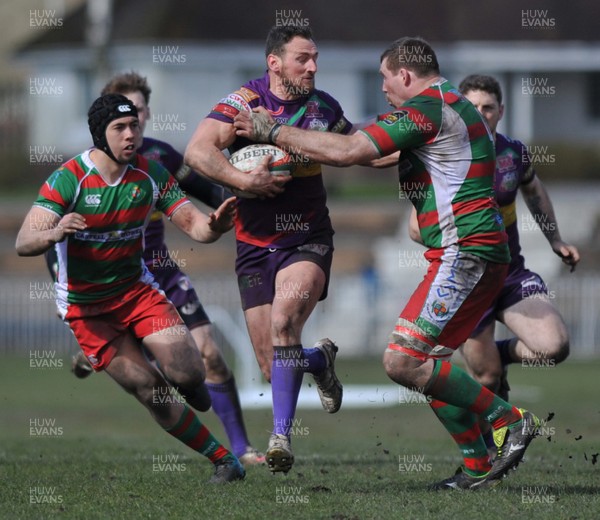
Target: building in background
{"type": "Point", "coordinates": [546, 55]}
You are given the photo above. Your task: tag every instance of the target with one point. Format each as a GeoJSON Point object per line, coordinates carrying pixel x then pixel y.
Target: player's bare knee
{"type": "Point", "coordinates": [560, 350]}
{"type": "Point", "coordinates": [214, 363]}
{"type": "Point", "coordinates": [400, 367]}
{"type": "Point", "coordinates": [190, 378]}
{"type": "Point", "coordinates": [185, 367]}
{"type": "Point", "coordinates": [409, 349]}
{"type": "Point", "coordinates": [555, 348]}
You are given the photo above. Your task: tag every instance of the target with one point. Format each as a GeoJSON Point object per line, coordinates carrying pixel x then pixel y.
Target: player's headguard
{"type": "Point", "coordinates": [105, 109]}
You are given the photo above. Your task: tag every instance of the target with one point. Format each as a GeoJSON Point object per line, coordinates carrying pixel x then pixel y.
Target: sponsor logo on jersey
{"type": "Point", "coordinates": [509, 181]}
{"type": "Point", "coordinates": [110, 236]}
{"type": "Point", "coordinates": [340, 125]}
{"type": "Point", "coordinates": [234, 101]}
{"type": "Point", "coordinates": [226, 110]}
{"type": "Point", "coordinates": [318, 124]}
{"type": "Point", "coordinates": [54, 177]}
{"type": "Point", "coordinates": [277, 112]}
{"type": "Point", "coordinates": [247, 94]}
{"type": "Point", "coordinates": [93, 199]}
{"type": "Point", "coordinates": [393, 117]}
{"type": "Point", "coordinates": [45, 205]}
{"type": "Point", "coordinates": [240, 101]}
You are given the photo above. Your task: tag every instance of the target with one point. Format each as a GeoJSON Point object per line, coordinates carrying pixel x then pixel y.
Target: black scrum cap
{"type": "Point", "coordinates": [105, 109]}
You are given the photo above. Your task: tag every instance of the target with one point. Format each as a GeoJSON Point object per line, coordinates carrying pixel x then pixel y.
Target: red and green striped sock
{"type": "Point", "coordinates": [194, 434]}
{"type": "Point", "coordinates": [463, 426]}
{"type": "Point", "coordinates": [451, 384]}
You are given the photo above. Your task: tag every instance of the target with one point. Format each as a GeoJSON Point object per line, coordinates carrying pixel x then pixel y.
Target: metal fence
{"type": "Point", "coordinates": [356, 317]}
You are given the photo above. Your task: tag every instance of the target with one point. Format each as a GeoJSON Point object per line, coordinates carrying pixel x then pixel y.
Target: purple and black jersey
{"type": "Point", "coordinates": [166, 270]}
{"type": "Point", "coordinates": [300, 212]}
{"type": "Point", "coordinates": [172, 160]}
{"type": "Point", "coordinates": [513, 169]}
{"type": "Point", "coordinates": [191, 183]}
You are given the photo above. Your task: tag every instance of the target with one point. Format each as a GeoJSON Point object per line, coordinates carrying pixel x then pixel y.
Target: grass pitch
{"type": "Point", "coordinates": [85, 449]}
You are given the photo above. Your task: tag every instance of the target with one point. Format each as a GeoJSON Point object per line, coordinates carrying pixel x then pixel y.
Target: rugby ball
{"type": "Point", "coordinates": [249, 157]}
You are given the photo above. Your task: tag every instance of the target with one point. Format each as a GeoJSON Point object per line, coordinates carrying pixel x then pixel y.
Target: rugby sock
{"type": "Point", "coordinates": [463, 426]}
{"type": "Point", "coordinates": [315, 360]}
{"type": "Point", "coordinates": [451, 384]}
{"type": "Point", "coordinates": [286, 379]}
{"type": "Point", "coordinates": [504, 351]}
{"type": "Point", "coordinates": [226, 404]}
{"type": "Point", "coordinates": [194, 434]}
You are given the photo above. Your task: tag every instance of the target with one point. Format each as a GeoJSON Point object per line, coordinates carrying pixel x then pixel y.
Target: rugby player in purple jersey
{"type": "Point", "coordinates": [94, 209]}
{"type": "Point", "coordinates": [284, 237]}
{"type": "Point", "coordinates": [176, 284]}
{"type": "Point", "coordinates": [446, 169]}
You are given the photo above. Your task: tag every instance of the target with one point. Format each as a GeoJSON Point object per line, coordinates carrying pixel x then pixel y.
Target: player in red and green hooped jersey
{"type": "Point", "coordinates": [446, 168]}
{"type": "Point", "coordinates": [95, 207]}
{"type": "Point", "coordinates": [172, 280]}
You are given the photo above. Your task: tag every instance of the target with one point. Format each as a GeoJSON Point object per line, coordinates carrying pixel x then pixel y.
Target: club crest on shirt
{"type": "Point", "coordinates": [505, 163]}
{"type": "Point", "coordinates": [136, 194]}
{"type": "Point", "coordinates": [312, 109]}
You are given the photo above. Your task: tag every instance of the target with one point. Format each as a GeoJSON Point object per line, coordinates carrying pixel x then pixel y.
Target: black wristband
{"type": "Point", "coordinates": [274, 131]}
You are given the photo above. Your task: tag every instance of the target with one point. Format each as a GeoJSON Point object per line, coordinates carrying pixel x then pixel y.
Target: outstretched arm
{"type": "Point", "coordinates": [539, 204]}
{"type": "Point", "coordinates": [199, 187]}
{"type": "Point", "coordinates": [202, 227]}
{"type": "Point", "coordinates": [323, 147]}
{"type": "Point", "coordinates": [41, 229]}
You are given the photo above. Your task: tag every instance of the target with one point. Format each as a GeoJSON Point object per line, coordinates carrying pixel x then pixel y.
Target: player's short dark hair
{"type": "Point", "coordinates": [126, 83]}
{"type": "Point", "coordinates": [412, 53]}
{"type": "Point", "coordinates": [279, 35]}
{"type": "Point", "coordinates": [488, 84]}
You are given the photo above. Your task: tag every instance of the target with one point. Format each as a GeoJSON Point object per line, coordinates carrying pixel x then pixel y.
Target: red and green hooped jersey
{"type": "Point", "coordinates": [105, 259]}
{"type": "Point", "coordinates": [446, 170]}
